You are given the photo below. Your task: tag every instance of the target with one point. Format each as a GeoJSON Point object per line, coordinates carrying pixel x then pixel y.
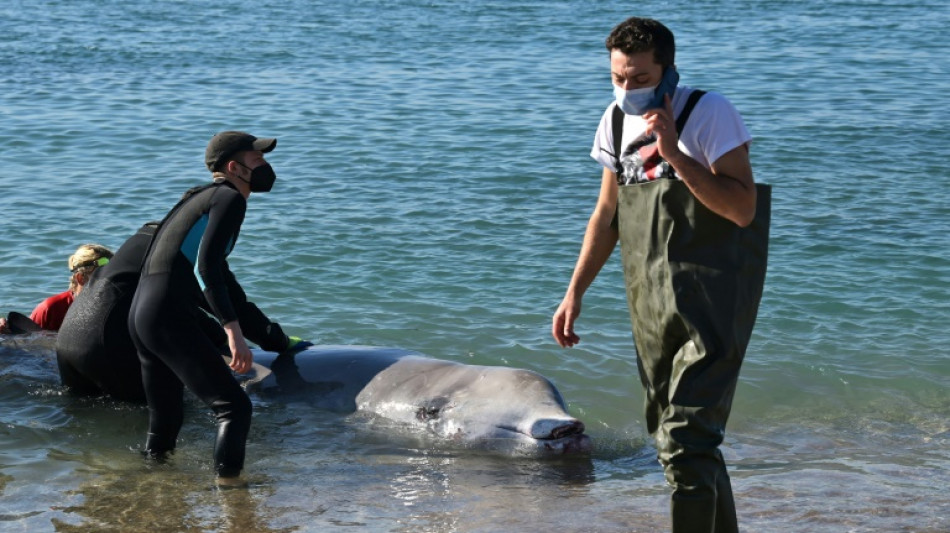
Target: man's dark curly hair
{"type": "Point", "coordinates": [636, 35]}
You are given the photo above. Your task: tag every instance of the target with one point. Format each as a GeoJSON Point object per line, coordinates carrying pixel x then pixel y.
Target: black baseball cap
{"type": "Point", "coordinates": [227, 143]}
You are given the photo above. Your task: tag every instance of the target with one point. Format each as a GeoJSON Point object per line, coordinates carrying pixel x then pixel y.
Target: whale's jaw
{"type": "Point", "coordinates": [555, 428]}
{"type": "Point", "coordinates": [571, 445]}
{"type": "Point", "coordinates": [564, 438]}
{"type": "Point", "coordinates": [549, 437]}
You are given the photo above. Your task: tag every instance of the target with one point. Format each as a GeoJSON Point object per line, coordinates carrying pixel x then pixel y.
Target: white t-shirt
{"type": "Point", "coordinates": [714, 128]}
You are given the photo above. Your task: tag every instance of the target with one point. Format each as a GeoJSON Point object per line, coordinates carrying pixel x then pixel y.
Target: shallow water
{"type": "Point", "coordinates": [433, 189]}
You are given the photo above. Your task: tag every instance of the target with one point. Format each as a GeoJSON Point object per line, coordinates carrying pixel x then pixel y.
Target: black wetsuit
{"type": "Point", "coordinates": [185, 268]}
{"type": "Point", "coordinates": [94, 349]}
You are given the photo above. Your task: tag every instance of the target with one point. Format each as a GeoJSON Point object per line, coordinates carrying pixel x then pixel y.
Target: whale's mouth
{"type": "Point", "coordinates": [553, 438]}
{"type": "Point", "coordinates": [561, 437]}
{"type": "Point", "coordinates": [575, 427]}
{"type": "Point", "coordinates": [549, 429]}
{"type": "Point", "coordinates": [555, 435]}
{"type": "Point", "coordinates": [554, 428]}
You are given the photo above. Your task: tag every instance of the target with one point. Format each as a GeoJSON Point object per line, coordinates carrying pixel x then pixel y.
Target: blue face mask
{"type": "Point", "coordinates": [636, 101]}
{"type": "Point", "coordinates": [639, 101]}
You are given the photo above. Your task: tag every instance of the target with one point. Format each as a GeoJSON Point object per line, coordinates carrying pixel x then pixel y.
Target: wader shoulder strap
{"type": "Point", "coordinates": [617, 128]}
{"type": "Point", "coordinates": [684, 115]}
{"type": "Point", "coordinates": [618, 114]}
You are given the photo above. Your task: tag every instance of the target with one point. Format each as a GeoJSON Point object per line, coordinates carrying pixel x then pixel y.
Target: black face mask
{"type": "Point", "coordinates": [262, 177]}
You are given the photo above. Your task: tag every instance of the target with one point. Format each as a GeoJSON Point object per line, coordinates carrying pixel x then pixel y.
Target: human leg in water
{"type": "Point", "coordinates": [688, 431]}
{"type": "Point", "coordinates": [174, 351]}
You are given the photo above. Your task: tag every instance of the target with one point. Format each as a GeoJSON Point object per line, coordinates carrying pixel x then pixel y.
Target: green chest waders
{"type": "Point", "coordinates": [693, 282]}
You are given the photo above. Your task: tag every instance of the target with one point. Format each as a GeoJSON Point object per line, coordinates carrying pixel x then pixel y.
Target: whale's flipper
{"type": "Point", "coordinates": [255, 375]}
{"type": "Point", "coordinates": [19, 324]}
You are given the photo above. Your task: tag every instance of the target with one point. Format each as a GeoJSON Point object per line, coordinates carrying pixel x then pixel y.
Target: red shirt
{"type": "Point", "coordinates": [51, 311]}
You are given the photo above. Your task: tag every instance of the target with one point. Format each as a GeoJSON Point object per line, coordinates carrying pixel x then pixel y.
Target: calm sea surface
{"type": "Point", "coordinates": [433, 189]}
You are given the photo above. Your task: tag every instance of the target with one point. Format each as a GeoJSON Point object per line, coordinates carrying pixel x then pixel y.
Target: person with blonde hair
{"type": "Point", "coordinates": [84, 262]}
{"type": "Point", "coordinates": [50, 312]}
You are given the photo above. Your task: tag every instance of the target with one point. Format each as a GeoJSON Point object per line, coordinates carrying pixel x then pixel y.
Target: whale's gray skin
{"type": "Point", "coordinates": [498, 408]}
{"type": "Point", "coordinates": [502, 409]}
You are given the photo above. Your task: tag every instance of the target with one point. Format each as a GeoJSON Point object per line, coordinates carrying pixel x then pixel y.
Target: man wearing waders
{"type": "Point", "coordinates": [184, 269]}
{"type": "Point", "coordinates": [677, 192]}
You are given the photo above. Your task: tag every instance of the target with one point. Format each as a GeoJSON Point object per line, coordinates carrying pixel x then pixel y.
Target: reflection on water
{"type": "Point", "coordinates": [164, 499]}
{"type": "Point", "coordinates": [461, 488]}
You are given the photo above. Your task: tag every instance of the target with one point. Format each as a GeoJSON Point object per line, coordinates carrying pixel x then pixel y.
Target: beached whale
{"type": "Point", "coordinates": [498, 408]}
{"type": "Point", "coordinates": [508, 410]}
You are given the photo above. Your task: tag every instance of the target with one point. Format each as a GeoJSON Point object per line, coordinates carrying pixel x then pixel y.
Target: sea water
{"type": "Point", "coordinates": [433, 188]}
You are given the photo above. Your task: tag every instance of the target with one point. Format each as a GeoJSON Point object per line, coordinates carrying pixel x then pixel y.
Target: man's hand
{"type": "Point", "coordinates": [562, 325]}
{"type": "Point", "coordinates": [660, 123]}
{"type": "Point", "coordinates": [727, 188]}
{"type": "Point", "coordinates": [241, 356]}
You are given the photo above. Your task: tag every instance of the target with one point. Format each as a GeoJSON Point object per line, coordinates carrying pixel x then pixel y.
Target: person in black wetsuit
{"type": "Point", "coordinates": [94, 350]}
{"type": "Point", "coordinates": [186, 267]}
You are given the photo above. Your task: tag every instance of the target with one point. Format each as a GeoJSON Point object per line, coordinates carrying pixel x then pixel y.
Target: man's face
{"type": "Point", "coordinates": [247, 162]}
{"type": "Point", "coordinates": [635, 71]}
{"type": "Point", "coordinates": [254, 158]}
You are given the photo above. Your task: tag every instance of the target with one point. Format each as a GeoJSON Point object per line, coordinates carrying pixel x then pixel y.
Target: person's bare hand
{"type": "Point", "coordinates": [562, 325]}
{"type": "Point", "coordinates": [241, 356]}
{"type": "Point", "coordinates": [660, 123]}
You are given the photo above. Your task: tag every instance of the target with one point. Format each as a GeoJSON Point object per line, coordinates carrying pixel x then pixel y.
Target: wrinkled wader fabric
{"type": "Point", "coordinates": [693, 281]}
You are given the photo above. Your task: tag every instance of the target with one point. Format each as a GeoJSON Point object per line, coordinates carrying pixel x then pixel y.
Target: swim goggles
{"type": "Point", "coordinates": [102, 261]}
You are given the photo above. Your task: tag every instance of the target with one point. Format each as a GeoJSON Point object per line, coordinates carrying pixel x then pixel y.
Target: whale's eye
{"type": "Point", "coordinates": [431, 409]}
{"type": "Point", "coordinates": [427, 413]}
